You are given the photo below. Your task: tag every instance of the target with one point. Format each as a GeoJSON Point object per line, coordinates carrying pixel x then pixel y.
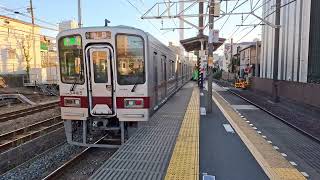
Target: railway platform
{"type": "Point", "coordinates": [298, 148]}
{"type": "Point", "coordinates": [181, 141]}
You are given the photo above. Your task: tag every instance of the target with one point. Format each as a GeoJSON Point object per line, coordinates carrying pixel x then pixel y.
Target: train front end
{"type": "Point", "coordinates": [103, 85]}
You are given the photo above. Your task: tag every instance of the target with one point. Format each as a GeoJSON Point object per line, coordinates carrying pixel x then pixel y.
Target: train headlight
{"type": "Point", "coordinates": [133, 103]}
{"type": "Point", "coordinates": [72, 102]}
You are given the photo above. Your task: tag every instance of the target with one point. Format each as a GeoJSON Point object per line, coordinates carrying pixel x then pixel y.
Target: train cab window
{"type": "Point", "coordinates": [100, 66]}
{"type": "Point", "coordinates": [130, 59]}
{"type": "Point", "coordinates": [71, 60]}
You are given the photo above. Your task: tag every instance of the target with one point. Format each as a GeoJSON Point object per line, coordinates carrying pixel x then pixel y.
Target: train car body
{"type": "Point", "coordinates": [111, 76]}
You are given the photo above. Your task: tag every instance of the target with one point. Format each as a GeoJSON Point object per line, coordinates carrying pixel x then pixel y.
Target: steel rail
{"type": "Point", "coordinates": [59, 171]}
{"type": "Point", "coordinates": [15, 138]}
{"type": "Point", "coordinates": [23, 112]}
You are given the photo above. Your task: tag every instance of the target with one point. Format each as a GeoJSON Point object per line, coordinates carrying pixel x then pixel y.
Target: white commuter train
{"type": "Point", "coordinates": [112, 78]}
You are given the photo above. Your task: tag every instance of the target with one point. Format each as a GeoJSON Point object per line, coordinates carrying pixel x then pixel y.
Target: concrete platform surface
{"type": "Point", "coordinates": [146, 155]}
{"type": "Point", "coordinates": [222, 153]}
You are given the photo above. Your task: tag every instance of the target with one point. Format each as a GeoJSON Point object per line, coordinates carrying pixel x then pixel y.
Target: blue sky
{"type": "Point", "coordinates": [120, 12]}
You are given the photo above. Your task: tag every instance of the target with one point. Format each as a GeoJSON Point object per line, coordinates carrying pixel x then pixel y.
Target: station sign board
{"type": "Point", "coordinates": [213, 36]}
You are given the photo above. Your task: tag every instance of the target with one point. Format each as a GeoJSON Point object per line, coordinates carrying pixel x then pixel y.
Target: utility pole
{"type": "Point", "coordinates": [181, 23]}
{"type": "Point", "coordinates": [275, 87]}
{"type": "Point", "coordinates": [200, 18]}
{"type": "Point", "coordinates": [210, 54]}
{"type": "Point", "coordinates": [231, 58]}
{"type": "Point", "coordinates": [201, 75]}
{"type": "Point", "coordinates": [33, 36]}
{"type": "Point", "coordinates": [79, 14]}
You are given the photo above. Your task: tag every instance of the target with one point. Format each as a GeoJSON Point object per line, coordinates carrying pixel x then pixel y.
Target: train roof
{"type": "Point", "coordinates": [119, 27]}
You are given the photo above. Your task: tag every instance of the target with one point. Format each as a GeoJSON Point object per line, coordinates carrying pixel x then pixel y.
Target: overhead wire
{"type": "Point", "coordinates": [286, 4]}
{"type": "Point", "coordinates": [236, 29]}
{"type": "Point", "coordinates": [137, 9]}
{"type": "Point", "coordinates": [26, 15]}
{"type": "Point", "coordinates": [30, 33]}
{"type": "Point", "coordinates": [229, 15]}
{"type": "Point", "coordinates": [171, 19]}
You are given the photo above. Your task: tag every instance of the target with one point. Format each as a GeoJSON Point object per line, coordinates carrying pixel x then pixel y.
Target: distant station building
{"type": "Point", "coordinates": [299, 51]}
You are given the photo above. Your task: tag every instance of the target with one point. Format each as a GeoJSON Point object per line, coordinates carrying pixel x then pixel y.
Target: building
{"type": "Point", "coordinates": [235, 48]}
{"type": "Point", "coordinates": [65, 25]}
{"type": "Point", "coordinates": [299, 52]}
{"type": "Point", "coordinates": [19, 46]}
{"type": "Point", "coordinates": [250, 58]}
{"type": "Point", "coordinates": [218, 60]}
{"type": "Point", "coordinates": [231, 53]}
{"type": "Point", "coordinates": [299, 42]}
{"type": "Point", "coordinates": [49, 59]}
{"type": "Point", "coordinates": [24, 52]}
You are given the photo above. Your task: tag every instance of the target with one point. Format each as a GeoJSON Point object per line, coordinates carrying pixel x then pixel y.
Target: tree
{"type": "Point", "coordinates": [25, 44]}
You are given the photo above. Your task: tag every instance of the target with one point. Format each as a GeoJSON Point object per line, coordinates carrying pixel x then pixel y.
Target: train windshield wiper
{"type": "Point", "coordinates": [134, 87]}
{"type": "Point", "coordinates": [78, 78]}
{"type": "Point", "coordinates": [74, 84]}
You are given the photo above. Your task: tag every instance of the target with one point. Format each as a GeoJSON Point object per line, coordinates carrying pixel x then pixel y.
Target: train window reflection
{"type": "Point", "coordinates": [71, 60]}
{"type": "Point", "coordinates": [130, 60]}
{"type": "Point", "coordinates": [100, 66]}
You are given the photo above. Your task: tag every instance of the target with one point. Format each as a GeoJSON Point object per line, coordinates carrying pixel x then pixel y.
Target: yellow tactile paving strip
{"type": "Point", "coordinates": [272, 162]}
{"type": "Point", "coordinates": [184, 163]}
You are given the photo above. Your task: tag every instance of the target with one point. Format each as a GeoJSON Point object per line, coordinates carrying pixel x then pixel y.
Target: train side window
{"type": "Point", "coordinates": [163, 67]}
{"type": "Point", "coordinates": [130, 59]}
{"type": "Point", "coordinates": [173, 69]}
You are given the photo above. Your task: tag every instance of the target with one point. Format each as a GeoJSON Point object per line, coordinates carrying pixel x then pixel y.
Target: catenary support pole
{"type": "Point", "coordinates": [201, 76]}
{"type": "Point", "coordinates": [210, 55]}
{"type": "Point", "coordinates": [275, 86]}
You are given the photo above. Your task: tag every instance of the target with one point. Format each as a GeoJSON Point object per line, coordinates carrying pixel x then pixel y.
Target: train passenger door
{"type": "Point", "coordinates": [100, 80]}
{"type": "Point", "coordinates": [155, 74]}
{"type": "Point", "coordinates": [164, 65]}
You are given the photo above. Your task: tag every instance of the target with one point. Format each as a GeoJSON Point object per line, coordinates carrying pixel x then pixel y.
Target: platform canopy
{"type": "Point", "coordinates": [194, 43]}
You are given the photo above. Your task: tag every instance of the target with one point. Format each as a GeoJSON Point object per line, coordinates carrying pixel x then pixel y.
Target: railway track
{"type": "Point", "coordinates": [274, 115]}
{"type": "Point", "coordinates": [15, 138]}
{"type": "Point", "coordinates": [60, 171]}
{"type": "Point", "coordinates": [16, 114]}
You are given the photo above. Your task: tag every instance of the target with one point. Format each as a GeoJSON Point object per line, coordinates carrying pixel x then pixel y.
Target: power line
{"type": "Point", "coordinates": [229, 15]}
{"type": "Point", "coordinates": [25, 15]}
{"type": "Point", "coordinates": [255, 8]}
{"type": "Point", "coordinates": [137, 9]}
{"type": "Point", "coordinates": [30, 33]}
{"type": "Point", "coordinates": [266, 17]}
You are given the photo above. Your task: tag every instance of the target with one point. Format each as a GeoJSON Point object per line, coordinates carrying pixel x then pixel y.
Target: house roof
{"type": "Point", "coordinates": [250, 46]}
{"type": "Point", "coordinates": [194, 43]}
{"type": "Point", "coordinates": [16, 20]}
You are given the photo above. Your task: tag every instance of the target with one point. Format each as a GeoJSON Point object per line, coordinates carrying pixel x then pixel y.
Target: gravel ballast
{"type": "Point", "coordinates": [28, 120]}
{"type": "Point", "coordinates": [85, 168]}
{"type": "Point", "coordinates": [43, 164]}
